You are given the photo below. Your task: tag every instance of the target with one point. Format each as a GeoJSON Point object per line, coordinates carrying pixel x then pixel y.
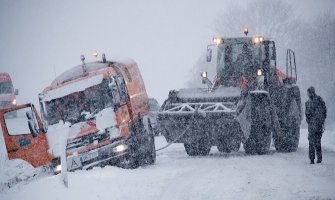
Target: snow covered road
{"type": "Point", "coordinates": [217, 176]}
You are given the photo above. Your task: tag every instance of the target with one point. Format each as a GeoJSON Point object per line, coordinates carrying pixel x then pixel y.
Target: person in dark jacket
{"type": "Point", "coordinates": [316, 114]}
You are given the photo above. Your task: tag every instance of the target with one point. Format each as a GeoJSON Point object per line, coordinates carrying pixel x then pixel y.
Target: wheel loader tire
{"type": "Point", "coordinates": [229, 145]}
{"type": "Point", "coordinates": [259, 143]}
{"type": "Point", "coordinates": [222, 146]}
{"type": "Point", "coordinates": [199, 148]}
{"type": "Point", "coordinates": [235, 145]}
{"type": "Point", "coordinates": [260, 133]}
{"type": "Point", "coordinates": [290, 141]}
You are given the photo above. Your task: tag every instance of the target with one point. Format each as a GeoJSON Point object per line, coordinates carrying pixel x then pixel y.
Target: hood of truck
{"type": "Point", "coordinates": [82, 128]}
{"type": "Point", "coordinates": [93, 133]}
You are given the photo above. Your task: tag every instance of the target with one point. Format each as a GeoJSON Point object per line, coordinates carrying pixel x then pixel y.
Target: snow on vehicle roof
{"type": "Point", "coordinates": [187, 93]}
{"type": "Point", "coordinates": [77, 72]}
{"type": "Point", "coordinates": [71, 88]}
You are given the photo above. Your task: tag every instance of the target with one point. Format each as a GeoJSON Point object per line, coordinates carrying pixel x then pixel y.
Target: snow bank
{"type": "Point", "coordinates": [57, 135]}
{"type": "Point", "coordinates": [14, 171]}
{"type": "Point", "coordinates": [71, 88]}
{"type": "Point", "coordinates": [217, 176]}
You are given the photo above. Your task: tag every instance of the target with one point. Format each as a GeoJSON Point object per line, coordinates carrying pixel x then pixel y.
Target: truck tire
{"type": "Point", "coordinates": [200, 148]}
{"type": "Point", "coordinates": [151, 154]}
{"type": "Point", "coordinates": [260, 133]}
{"type": "Point", "coordinates": [131, 161]}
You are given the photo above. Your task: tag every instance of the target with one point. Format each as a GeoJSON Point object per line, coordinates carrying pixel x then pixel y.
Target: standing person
{"type": "Point", "coordinates": [316, 113]}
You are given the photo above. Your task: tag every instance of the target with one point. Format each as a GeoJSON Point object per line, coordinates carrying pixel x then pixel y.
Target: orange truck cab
{"type": "Point", "coordinates": [107, 106]}
{"type": "Point", "coordinates": [24, 136]}
{"type": "Point", "coordinates": [7, 92]}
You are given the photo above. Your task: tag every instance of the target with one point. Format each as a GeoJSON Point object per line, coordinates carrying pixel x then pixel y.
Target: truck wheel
{"type": "Point", "coordinates": [151, 155]}
{"type": "Point", "coordinates": [199, 148]}
{"type": "Point", "coordinates": [131, 161]}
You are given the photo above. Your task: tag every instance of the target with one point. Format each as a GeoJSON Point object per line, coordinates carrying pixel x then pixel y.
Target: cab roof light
{"type": "Point", "coordinates": [246, 31]}
{"type": "Point", "coordinates": [217, 40]}
{"type": "Point", "coordinates": [258, 39]}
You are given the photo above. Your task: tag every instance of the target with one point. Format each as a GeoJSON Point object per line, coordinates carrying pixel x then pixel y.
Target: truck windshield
{"type": "Point", "coordinates": [6, 88]}
{"type": "Point", "coordinates": [72, 107]}
{"type": "Point", "coordinates": [237, 60]}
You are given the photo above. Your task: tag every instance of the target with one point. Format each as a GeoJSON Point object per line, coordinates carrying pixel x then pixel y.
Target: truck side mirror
{"type": "Point", "coordinates": [16, 92]}
{"type": "Point", "coordinates": [32, 123]}
{"type": "Point", "coordinates": [44, 127]}
{"type": "Point", "coordinates": [209, 55]}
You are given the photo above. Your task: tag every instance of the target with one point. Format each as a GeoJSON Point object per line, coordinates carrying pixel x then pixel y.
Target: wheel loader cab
{"type": "Point", "coordinates": [241, 60]}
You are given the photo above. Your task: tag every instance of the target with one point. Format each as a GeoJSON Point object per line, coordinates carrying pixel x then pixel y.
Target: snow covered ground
{"type": "Point", "coordinates": [217, 176]}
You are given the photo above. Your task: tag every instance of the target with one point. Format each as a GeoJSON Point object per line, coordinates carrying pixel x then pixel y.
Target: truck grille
{"type": "Point", "coordinates": [86, 140]}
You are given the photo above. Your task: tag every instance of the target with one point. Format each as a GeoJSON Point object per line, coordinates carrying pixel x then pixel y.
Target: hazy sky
{"type": "Point", "coordinates": [41, 39]}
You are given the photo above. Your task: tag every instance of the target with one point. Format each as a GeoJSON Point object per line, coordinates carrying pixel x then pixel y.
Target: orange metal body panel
{"type": "Point", "coordinates": [36, 153]}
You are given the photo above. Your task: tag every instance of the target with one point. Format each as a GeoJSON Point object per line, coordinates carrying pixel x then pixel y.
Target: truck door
{"type": "Point", "coordinates": [24, 136]}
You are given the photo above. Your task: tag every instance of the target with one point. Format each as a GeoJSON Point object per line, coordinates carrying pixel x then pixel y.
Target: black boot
{"type": "Point", "coordinates": [312, 162]}
{"type": "Point", "coordinates": [319, 161]}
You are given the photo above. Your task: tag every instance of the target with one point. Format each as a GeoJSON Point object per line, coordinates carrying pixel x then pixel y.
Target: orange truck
{"type": "Point", "coordinates": [7, 92]}
{"type": "Point", "coordinates": [106, 104]}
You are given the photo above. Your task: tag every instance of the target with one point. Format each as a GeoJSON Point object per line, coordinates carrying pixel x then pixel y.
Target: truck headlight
{"type": "Point", "coordinates": [204, 74]}
{"type": "Point", "coordinates": [120, 148]}
{"type": "Point", "coordinates": [217, 40]}
{"type": "Point", "coordinates": [14, 102]}
{"type": "Point", "coordinates": [259, 72]}
{"type": "Point", "coordinates": [58, 168]}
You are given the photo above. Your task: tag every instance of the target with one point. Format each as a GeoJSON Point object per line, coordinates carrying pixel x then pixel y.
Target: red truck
{"type": "Point", "coordinates": [7, 92]}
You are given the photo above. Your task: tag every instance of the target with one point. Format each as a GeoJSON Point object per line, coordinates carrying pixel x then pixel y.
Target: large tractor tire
{"type": "Point", "coordinates": [259, 139]}
{"type": "Point", "coordinates": [288, 141]}
{"type": "Point", "coordinates": [223, 145]}
{"type": "Point", "coordinates": [229, 146]}
{"type": "Point", "coordinates": [232, 141]}
{"type": "Point", "coordinates": [201, 147]}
